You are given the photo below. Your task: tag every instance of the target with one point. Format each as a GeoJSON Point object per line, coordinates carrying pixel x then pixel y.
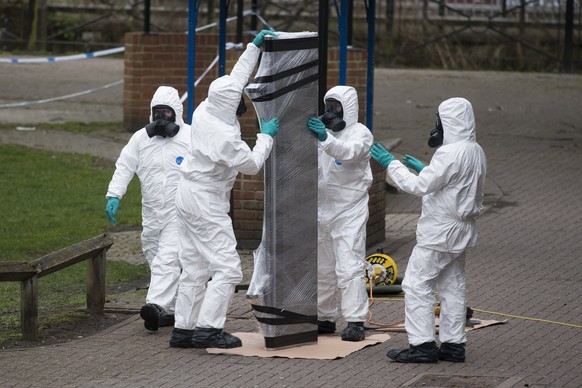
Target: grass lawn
{"type": "Point", "coordinates": [49, 201]}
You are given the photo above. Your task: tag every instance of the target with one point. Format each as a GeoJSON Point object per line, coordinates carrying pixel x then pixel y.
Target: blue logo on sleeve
{"type": "Point", "coordinates": [337, 162]}
{"type": "Point", "coordinates": [179, 160]}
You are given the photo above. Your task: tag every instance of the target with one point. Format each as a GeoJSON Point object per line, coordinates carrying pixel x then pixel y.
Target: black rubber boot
{"type": "Point", "coordinates": [325, 327]}
{"type": "Point", "coordinates": [423, 353]}
{"type": "Point", "coordinates": [214, 338]}
{"type": "Point", "coordinates": [354, 332]}
{"type": "Point", "coordinates": [167, 320]}
{"type": "Point", "coordinates": [151, 314]}
{"type": "Point", "coordinates": [181, 338]}
{"type": "Point", "coordinates": [452, 352]}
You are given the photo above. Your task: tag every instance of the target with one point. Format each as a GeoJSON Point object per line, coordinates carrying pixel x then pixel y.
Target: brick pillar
{"type": "Point", "coordinates": [162, 59]}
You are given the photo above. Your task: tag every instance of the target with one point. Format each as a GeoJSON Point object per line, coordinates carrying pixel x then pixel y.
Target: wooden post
{"type": "Point", "coordinates": [28, 274]}
{"type": "Point", "coordinates": [29, 308]}
{"type": "Point", "coordinates": [96, 283]}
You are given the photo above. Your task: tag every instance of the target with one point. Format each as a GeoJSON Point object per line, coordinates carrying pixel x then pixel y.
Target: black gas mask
{"type": "Point", "coordinates": [436, 134]}
{"type": "Point", "coordinates": [334, 113]}
{"type": "Point", "coordinates": [242, 107]}
{"type": "Point", "coordinates": [164, 122]}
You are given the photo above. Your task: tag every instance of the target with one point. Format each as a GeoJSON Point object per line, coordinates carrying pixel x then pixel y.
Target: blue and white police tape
{"type": "Point", "coordinates": [65, 57]}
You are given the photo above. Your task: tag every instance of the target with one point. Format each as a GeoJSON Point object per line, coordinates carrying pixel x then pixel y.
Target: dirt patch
{"type": "Point", "coordinates": [78, 324]}
{"type": "Point", "coordinates": [83, 325]}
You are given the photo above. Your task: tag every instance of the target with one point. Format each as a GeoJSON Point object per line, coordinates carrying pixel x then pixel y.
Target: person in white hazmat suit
{"type": "Point", "coordinates": [344, 179]}
{"type": "Point", "coordinates": [451, 186]}
{"type": "Point", "coordinates": [207, 244]}
{"type": "Point", "coordinates": [155, 153]}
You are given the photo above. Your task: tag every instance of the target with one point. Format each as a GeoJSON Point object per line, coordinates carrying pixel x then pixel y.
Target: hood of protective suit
{"type": "Point", "coordinates": [348, 97]}
{"type": "Point", "coordinates": [167, 95]}
{"type": "Point", "coordinates": [223, 98]}
{"type": "Point", "coordinates": [458, 120]}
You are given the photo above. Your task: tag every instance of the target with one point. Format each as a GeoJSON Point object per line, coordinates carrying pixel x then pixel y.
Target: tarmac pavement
{"type": "Point", "coordinates": [526, 268]}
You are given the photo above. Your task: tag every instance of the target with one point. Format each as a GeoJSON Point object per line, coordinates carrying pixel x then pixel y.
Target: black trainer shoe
{"type": "Point", "coordinates": [151, 313]}
{"type": "Point", "coordinates": [325, 327]}
{"type": "Point", "coordinates": [423, 353]}
{"type": "Point", "coordinates": [214, 338]}
{"type": "Point", "coordinates": [452, 352]}
{"type": "Point", "coordinates": [181, 338]}
{"type": "Point", "coordinates": [354, 332]}
{"type": "Point", "coordinates": [167, 320]}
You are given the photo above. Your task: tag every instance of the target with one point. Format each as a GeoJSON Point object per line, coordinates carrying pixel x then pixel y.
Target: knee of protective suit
{"type": "Point", "coordinates": [351, 274]}
{"type": "Point", "coordinates": [231, 276]}
{"type": "Point", "coordinates": [416, 287]}
{"type": "Point", "coordinates": [193, 279]}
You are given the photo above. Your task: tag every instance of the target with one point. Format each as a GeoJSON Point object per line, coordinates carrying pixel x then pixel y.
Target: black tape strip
{"type": "Point", "coordinates": [285, 321]}
{"type": "Point", "coordinates": [283, 313]}
{"type": "Point", "coordinates": [275, 77]}
{"type": "Point", "coordinates": [287, 89]}
{"type": "Point", "coordinates": [273, 45]}
{"type": "Point", "coordinates": [291, 339]}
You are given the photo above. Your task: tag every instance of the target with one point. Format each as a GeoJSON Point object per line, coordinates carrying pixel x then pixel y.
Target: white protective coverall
{"type": "Point", "coordinates": [451, 187]}
{"type": "Point", "coordinates": [207, 245]}
{"type": "Point", "coordinates": [156, 161]}
{"type": "Point", "coordinates": [344, 179]}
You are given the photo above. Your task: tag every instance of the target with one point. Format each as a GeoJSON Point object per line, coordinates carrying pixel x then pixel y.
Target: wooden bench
{"type": "Point", "coordinates": [28, 273]}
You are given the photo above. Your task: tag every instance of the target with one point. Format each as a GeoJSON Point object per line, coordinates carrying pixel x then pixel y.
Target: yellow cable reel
{"type": "Point", "coordinates": [381, 270]}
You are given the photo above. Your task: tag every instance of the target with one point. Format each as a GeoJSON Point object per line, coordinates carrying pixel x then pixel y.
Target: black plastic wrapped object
{"type": "Point", "coordinates": [283, 289]}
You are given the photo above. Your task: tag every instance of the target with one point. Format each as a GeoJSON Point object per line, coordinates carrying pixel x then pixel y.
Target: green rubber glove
{"type": "Point", "coordinates": [111, 208]}
{"type": "Point", "coordinates": [413, 163]}
{"type": "Point", "coordinates": [317, 127]}
{"type": "Point", "coordinates": [270, 127]}
{"type": "Point", "coordinates": [381, 154]}
{"type": "Point", "coordinates": [260, 38]}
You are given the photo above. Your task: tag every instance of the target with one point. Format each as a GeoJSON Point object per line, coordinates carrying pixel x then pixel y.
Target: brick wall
{"type": "Point", "coordinates": [161, 59]}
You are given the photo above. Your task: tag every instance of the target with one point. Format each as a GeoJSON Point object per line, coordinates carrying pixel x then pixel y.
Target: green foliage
{"type": "Point", "coordinates": [64, 26]}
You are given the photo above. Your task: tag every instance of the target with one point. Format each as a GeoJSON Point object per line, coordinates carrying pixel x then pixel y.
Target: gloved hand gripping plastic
{"type": "Point", "coordinates": [316, 126]}
{"type": "Point", "coordinates": [270, 127]}
{"type": "Point", "coordinates": [260, 38]}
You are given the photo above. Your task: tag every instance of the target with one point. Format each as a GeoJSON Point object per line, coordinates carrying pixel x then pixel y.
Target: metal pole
{"type": "Point", "coordinates": [146, 17]}
{"type": "Point", "coordinates": [343, 22]}
{"type": "Point", "coordinates": [254, 17]}
{"type": "Point", "coordinates": [222, 39]}
{"type": "Point", "coordinates": [222, 71]}
{"type": "Point", "coordinates": [322, 87]}
{"type": "Point", "coordinates": [239, 21]}
{"type": "Point", "coordinates": [569, 36]}
{"type": "Point", "coordinates": [350, 22]}
{"type": "Point", "coordinates": [370, 83]}
{"type": "Point", "coordinates": [192, 21]}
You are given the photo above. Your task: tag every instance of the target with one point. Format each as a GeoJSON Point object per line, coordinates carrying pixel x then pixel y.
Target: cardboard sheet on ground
{"type": "Point", "coordinates": [327, 347]}
{"type": "Point", "coordinates": [482, 323]}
